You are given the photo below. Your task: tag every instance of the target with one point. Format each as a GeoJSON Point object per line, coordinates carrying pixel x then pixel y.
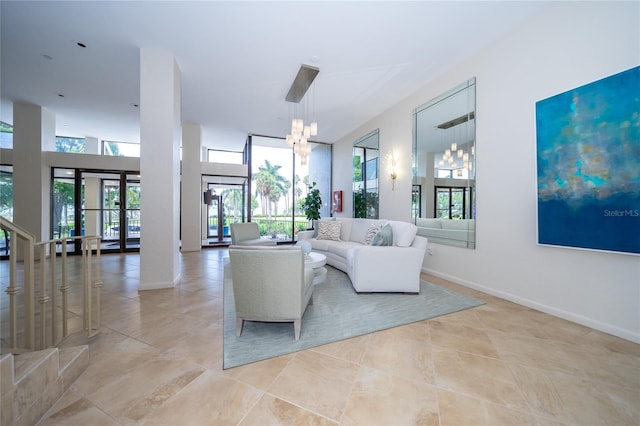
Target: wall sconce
{"type": "Point", "coordinates": [391, 168]}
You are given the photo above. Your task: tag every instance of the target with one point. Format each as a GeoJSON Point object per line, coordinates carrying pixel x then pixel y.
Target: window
{"type": "Point", "coordinates": [63, 197]}
{"type": "Point", "coordinates": [6, 135]}
{"type": "Point", "coordinates": [6, 192]}
{"type": "Point", "coordinates": [68, 144]}
{"type": "Point", "coordinates": [365, 176]}
{"type": "Point", "coordinates": [228, 157]}
{"type": "Point", "coordinates": [120, 149]}
{"type": "Point", "coordinates": [280, 182]}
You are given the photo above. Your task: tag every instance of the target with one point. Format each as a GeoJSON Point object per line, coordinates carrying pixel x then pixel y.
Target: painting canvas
{"type": "Point", "coordinates": [588, 158]}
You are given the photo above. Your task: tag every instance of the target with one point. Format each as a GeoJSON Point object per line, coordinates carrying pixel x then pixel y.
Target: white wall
{"type": "Point", "coordinates": [566, 46]}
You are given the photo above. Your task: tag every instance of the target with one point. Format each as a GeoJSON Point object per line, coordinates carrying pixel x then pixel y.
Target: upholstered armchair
{"type": "Point", "coordinates": [270, 284]}
{"type": "Point", "coordinates": [248, 234]}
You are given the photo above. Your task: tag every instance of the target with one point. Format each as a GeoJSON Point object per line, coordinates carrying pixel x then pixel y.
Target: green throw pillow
{"type": "Point", "coordinates": [384, 237]}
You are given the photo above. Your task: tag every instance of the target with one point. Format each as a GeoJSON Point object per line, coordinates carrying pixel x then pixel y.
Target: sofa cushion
{"type": "Point", "coordinates": [319, 245]}
{"type": "Point", "coordinates": [403, 233]}
{"type": "Point", "coordinates": [384, 237]}
{"type": "Point", "coordinates": [342, 248]}
{"type": "Point", "coordinates": [371, 232]}
{"type": "Point", "coordinates": [329, 230]}
{"type": "Point", "coordinates": [345, 230]}
{"type": "Point", "coordinates": [360, 227]}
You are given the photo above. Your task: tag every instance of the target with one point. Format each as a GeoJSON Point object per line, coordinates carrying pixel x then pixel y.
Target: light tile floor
{"type": "Point", "coordinates": [159, 361]}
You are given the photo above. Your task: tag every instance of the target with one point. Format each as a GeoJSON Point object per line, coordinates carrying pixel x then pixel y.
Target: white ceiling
{"type": "Point", "coordinates": [237, 59]}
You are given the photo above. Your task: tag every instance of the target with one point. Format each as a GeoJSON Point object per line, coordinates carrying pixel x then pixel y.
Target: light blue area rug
{"type": "Point", "coordinates": [337, 313]}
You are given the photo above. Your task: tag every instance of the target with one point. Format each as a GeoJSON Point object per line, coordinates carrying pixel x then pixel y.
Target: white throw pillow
{"type": "Point", "coordinates": [371, 232]}
{"type": "Point", "coordinates": [403, 233]}
{"type": "Point", "coordinates": [329, 230]}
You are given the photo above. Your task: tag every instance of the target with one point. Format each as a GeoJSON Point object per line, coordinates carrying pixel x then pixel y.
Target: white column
{"type": "Point", "coordinates": [34, 131]}
{"type": "Point", "coordinates": [160, 133]}
{"type": "Point", "coordinates": [92, 192]}
{"type": "Point", "coordinates": [191, 187]}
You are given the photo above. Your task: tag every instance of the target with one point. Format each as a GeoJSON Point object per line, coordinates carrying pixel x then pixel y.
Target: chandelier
{"type": "Point", "coordinates": [456, 152]}
{"type": "Point", "coordinates": [298, 138]}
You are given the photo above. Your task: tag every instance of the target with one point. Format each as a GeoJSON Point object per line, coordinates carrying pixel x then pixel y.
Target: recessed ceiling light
{"type": "Point", "coordinates": [82, 44]}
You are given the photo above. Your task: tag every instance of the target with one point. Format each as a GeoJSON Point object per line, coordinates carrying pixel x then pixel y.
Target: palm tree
{"type": "Point", "coordinates": [264, 186]}
{"type": "Point", "coordinates": [270, 186]}
{"type": "Point", "coordinates": [233, 202]}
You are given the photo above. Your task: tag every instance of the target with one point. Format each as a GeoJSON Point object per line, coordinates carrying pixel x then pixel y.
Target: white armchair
{"type": "Point", "coordinates": [270, 284]}
{"type": "Point", "coordinates": [248, 234]}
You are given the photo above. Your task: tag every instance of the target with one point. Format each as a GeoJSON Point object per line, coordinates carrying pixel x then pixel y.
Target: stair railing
{"type": "Point", "coordinates": [49, 286]}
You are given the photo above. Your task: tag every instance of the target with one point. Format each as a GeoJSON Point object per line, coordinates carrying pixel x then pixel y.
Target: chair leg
{"type": "Point", "coordinates": [239, 324]}
{"type": "Point", "coordinates": [297, 324]}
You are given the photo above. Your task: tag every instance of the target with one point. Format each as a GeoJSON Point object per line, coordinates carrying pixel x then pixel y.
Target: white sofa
{"type": "Point", "coordinates": [455, 232]}
{"type": "Point", "coordinates": [394, 268]}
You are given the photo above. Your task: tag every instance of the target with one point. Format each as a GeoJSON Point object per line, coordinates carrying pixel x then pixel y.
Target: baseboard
{"type": "Point", "coordinates": [569, 316]}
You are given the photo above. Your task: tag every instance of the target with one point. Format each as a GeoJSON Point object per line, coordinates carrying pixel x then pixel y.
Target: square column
{"type": "Point", "coordinates": [160, 134]}
{"type": "Point", "coordinates": [192, 198]}
{"type": "Point", "coordinates": [34, 131]}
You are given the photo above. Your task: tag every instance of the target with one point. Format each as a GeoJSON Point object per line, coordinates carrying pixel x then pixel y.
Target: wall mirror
{"type": "Point", "coordinates": [444, 152]}
{"type": "Point", "coordinates": [365, 175]}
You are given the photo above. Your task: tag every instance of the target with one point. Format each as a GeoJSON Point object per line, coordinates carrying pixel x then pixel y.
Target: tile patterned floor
{"type": "Point", "coordinates": [158, 361]}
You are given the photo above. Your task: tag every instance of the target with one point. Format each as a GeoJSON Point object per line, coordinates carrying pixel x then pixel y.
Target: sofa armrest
{"type": "Point", "coordinates": [376, 268]}
{"type": "Point", "coordinates": [304, 235]}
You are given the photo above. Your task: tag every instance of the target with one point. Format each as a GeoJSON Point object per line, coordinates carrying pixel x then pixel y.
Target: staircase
{"type": "Point", "coordinates": [32, 382]}
{"type": "Point", "coordinates": [44, 304]}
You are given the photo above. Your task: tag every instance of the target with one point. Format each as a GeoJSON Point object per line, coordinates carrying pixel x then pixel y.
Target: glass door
{"type": "Point", "coordinates": [452, 203]}
{"type": "Point", "coordinates": [110, 207]}
{"type": "Point", "coordinates": [215, 221]}
{"type": "Point", "coordinates": [227, 205]}
{"type": "Point", "coordinates": [131, 209]}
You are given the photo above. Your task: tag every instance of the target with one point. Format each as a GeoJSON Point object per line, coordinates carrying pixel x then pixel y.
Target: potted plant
{"type": "Point", "coordinates": [312, 204]}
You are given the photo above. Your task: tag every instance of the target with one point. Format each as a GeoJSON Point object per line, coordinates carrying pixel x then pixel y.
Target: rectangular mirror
{"type": "Point", "coordinates": [444, 151]}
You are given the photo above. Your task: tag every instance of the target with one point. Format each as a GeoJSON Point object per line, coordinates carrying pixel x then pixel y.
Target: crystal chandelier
{"type": "Point", "coordinates": [298, 139]}
{"type": "Point", "coordinates": [455, 152]}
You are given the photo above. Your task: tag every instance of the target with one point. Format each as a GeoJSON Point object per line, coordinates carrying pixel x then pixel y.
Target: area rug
{"type": "Point", "coordinates": [337, 313]}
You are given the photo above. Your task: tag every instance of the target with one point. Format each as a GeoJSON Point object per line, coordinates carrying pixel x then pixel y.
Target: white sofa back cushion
{"type": "Point", "coordinates": [403, 233]}
{"type": "Point", "coordinates": [345, 229]}
{"type": "Point", "coordinates": [360, 227]}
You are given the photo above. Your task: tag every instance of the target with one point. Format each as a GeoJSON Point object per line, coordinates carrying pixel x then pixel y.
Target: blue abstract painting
{"type": "Point", "coordinates": [588, 158]}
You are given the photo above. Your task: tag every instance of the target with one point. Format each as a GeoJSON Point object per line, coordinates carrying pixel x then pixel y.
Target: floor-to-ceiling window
{"type": "Point", "coordinates": [279, 182]}
{"type": "Point", "coordinates": [365, 176]}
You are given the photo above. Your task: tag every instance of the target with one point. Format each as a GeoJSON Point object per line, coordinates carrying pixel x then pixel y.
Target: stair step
{"type": "Point", "coordinates": [30, 362]}
{"type": "Point", "coordinates": [73, 361]}
{"type": "Point", "coordinates": [36, 380]}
